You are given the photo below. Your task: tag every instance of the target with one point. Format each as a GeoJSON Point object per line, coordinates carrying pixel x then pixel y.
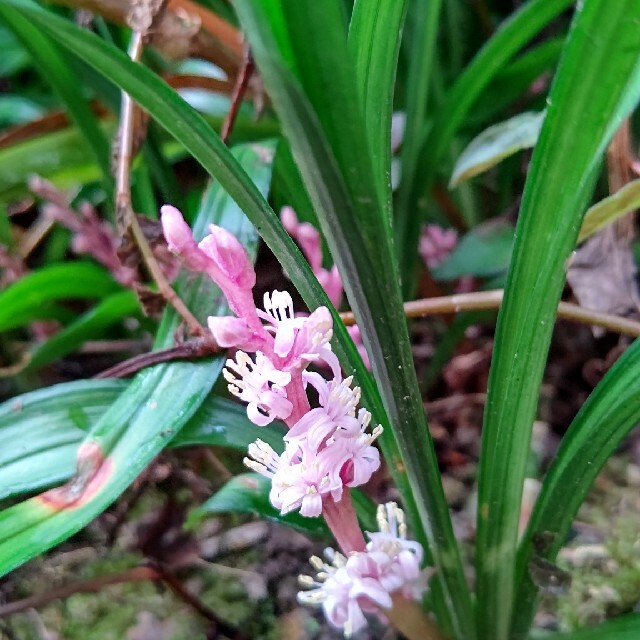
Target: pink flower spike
{"type": "Point", "coordinates": [356, 336]}
{"type": "Point", "coordinates": [307, 236]}
{"type": "Point", "coordinates": [180, 238]}
{"type": "Point", "coordinates": [332, 284]}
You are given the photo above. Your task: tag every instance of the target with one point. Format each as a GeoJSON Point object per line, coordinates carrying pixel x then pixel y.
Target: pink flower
{"type": "Point", "coordinates": [356, 336]}
{"type": "Point", "coordinates": [261, 385]}
{"type": "Point", "coordinates": [299, 340]}
{"type": "Point", "coordinates": [436, 244]}
{"type": "Point", "coordinates": [327, 449]}
{"type": "Point", "coordinates": [353, 457]}
{"type": "Point", "coordinates": [347, 588]}
{"type": "Point", "coordinates": [300, 478]}
{"type": "Point", "coordinates": [337, 411]}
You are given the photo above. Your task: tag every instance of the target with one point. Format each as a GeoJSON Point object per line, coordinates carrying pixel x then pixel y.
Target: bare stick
{"type": "Point", "coordinates": [482, 300]}
{"type": "Point", "coordinates": [242, 81]}
{"type": "Point", "coordinates": [493, 299]}
{"type": "Point", "coordinates": [137, 574]}
{"type": "Point", "coordinates": [124, 212]}
{"type": "Point", "coordinates": [197, 348]}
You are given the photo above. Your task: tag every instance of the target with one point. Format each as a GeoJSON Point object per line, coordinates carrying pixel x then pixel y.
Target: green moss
{"type": "Point", "coordinates": [113, 612]}
{"type": "Point", "coordinates": [610, 586]}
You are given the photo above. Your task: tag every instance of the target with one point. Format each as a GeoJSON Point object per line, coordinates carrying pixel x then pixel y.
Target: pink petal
{"type": "Point", "coordinates": [229, 256]}
{"type": "Point", "coordinates": [229, 331]}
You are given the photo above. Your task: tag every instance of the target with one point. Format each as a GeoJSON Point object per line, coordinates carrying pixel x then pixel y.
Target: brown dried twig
{"type": "Point", "coordinates": [138, 574]}
{"type": "Point", "coordinates": [484, 300]}
{"type": "Point", "coordinates": [481, 300]}
{"type": "Point", "coordinates": [242, 82]}
{"type": "Point", "coordinates": [124, 213]}
{"type": "Point", "coordinates": [196, 348]}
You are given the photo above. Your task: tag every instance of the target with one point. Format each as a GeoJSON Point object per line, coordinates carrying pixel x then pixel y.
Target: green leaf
{"type": "Point", "coordinates": [622, 628]}
{"type": "Point", "coordinates": [609, 414]}
{"type": "Point", "coordinates": [374, 43]}
{"type": "Point", "coordinates": [332, 153]}
{"type": "Point", "coordinates": [222, 423]}
{"type": "Point", "coordinates": [28, 298]}
{"type": "Point", "coordinates": [512, 35]}
{"type": "Point", "coordinates": [584, 108]}
{"type": "Point", "coordinates": [610, 209]}
{"type": "Point", "coordinates": [144, 419]}
{"type": "Point", "coordinates": [495, 144]}
{"type": "Point", "coordinates": [88, 326]}
{"type": "Point", "coordinates": [55, 69]}
{"type": "Point", "coordinates": [484, 251]}
{"type": "Point", "coordinates": [249, 493]}
{"type": "Point", "coordinates": [421, 40]}
{"type": "Point", "coordinates": [515, 78]}
{"type": "Point", "coordinates": [57, 419]}
{"type": "Point", "coordinates": [60, 157]}
{"type": "Point", "coordinates": [14, 57]}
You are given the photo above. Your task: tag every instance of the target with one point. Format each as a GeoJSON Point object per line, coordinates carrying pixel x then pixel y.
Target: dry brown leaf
{"type": "Point", "coordinates": [602, 274]}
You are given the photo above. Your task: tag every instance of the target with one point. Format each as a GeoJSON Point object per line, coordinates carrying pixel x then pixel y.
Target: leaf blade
{"type": "Point", "coordinates": [580, 119]}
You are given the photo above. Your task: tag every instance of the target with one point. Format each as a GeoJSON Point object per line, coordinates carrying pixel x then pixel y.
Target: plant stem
{"type": "Point", "coordinates": [125, 216]}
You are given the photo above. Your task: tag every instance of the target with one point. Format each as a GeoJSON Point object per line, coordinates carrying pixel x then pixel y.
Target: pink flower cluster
{"type": "Point", "coordinates": [349, 587]}
{"type": "Point", "coordinates": [328, 447]}
{"type": "Point", "coordinates": [326, 450]}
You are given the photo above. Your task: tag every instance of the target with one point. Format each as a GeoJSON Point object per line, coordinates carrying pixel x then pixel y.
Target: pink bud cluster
{"type": "Point", "coordinates": [364, 582]}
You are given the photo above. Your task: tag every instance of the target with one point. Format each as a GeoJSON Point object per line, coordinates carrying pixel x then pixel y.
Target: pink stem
{"type": "Point", "coordinates": [298, 397]}
{"type": "Point", "coordinates": [341, 519]}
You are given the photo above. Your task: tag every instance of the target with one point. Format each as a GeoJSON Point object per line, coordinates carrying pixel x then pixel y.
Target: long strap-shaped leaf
{"type": "Point", "coordinates": [610, 412]}
{"type": "Point", "coordinates": [591, 82]}
{"type": "Point", "coordinates": [58, 418]}
{"type": "Point", "coordinates": [374, 42]}
{"type": "Point", "coordinates": [301, 50]}
{"type": "Point", "coordinates": [145, 417]}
